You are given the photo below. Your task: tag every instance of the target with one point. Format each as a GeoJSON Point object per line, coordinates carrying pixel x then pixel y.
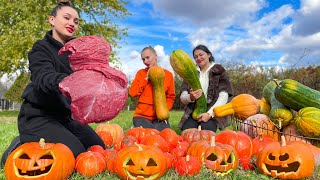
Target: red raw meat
{"type": "Point", "coordinates": [97, 91]}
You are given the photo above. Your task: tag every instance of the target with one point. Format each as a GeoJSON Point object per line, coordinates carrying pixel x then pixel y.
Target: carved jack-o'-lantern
{"type": "Point", "coordinates": [140, 162]}
{"type": "Point", "coordinates": [286, 161]}
{"type": "Point", "coordinates": [220, 158]}
{"type": "Point", "coordinates": [40, 160]}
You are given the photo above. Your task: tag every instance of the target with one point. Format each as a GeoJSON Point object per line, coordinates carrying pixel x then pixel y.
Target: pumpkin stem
{"type": "Point", "coordinates": [140, 148]}
{"type": "Point", "coordinates": [199, 128]}
{"type": "Point", "coordinates": [283, 141]}
{"type": "Point", "coordinates": [42, 143]}
{"type": "Point", "coordinates": [280, 124]}
{"type": "Point", "coordinates": [277, 83]}
{"type": "Point", "coordinates": [187, 158]}
{"type": "Point", "coordinates": [260, 136]}
{"type": "Point", "coordinates": [213, 141]}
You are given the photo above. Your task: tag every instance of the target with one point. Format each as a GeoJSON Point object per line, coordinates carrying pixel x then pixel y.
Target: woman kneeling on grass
{"type": "Point", "coordinates": [45, 112]}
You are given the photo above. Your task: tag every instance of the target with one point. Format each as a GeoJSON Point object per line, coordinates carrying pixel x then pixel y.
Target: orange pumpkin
{"type": "Point", "coordinates": [241, 142]}
{"type": "Point", "coordinates": [196, 134]}
{"type": "Point", "coordinates": [259, 124]}
{"type": "Point", "coordinates": [241, 106]}
{"type": "Point", "coordinates": [156, 75]}
{"type": "Point", "coordinates": [90, 163]}
{"type": "Point", "coordinates": [259, 142]}
{"type": "Point", "coordinates": [140, 162]}
{"type": "Point", "coordinates": [220, 158]}
{"type": "Point", "coordinates": [106, 138]}
{"type": "Point", "coordinates": [140, 132]}
{"type": "Point", "coordinates": [286, 161]}
{"type": "Point", "coordinates": [40, 160]}
{"type": "Point", "coordinates": [114, 129]}
{"type": "Point", "coordinates": [187, 166]}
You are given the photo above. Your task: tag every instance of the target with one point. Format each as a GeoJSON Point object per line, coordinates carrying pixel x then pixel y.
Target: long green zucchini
{"type": "Point", "coordinates": [295, 95]}
{"type": "Point", "coordinates": [183, 65]}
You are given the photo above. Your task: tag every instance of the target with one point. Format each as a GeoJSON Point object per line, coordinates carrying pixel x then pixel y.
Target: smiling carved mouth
{"type": "Point", "coordinates": [135, 176]}
{"type": "Point", "coordinates": [292, 167]}
{"type": "Point", "coordinates": [34, 172]}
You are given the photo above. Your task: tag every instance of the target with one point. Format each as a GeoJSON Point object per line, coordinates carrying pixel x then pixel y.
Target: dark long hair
{"type": "Point", "coordinates": [205, 49]}
{"type": "Point", "coordinates": [61, 4]}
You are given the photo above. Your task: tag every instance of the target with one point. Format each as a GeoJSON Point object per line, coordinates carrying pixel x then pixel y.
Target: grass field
{"type": "Point", "coordinates": [8, 130]}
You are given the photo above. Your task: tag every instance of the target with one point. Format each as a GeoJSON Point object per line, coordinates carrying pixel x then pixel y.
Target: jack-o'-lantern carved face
{"type": "Point", "coordinates": [292, 161]}
{"type": "Point", "coordinates": [140, 162]}
{"type": "Point", "coordinates": [221, 159]}
{"type": "Point", "coordinates": [40, 160]}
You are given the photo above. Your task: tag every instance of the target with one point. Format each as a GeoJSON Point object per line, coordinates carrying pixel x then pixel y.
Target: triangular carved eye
{"type": "Point", "coordinates": [151, 162]}
{"type": "Point", "coordinates": [48, 156]}
{"type": "Point", "coordinates": [24, 156]}
{"type": "Point", "coordinates": [229, 159]}
{"type": "Point", "coordinates": [212, 157]}
{"type": "Point", "coordinates": [130, 163]}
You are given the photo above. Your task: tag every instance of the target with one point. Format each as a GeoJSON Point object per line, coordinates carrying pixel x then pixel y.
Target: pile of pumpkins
{"type": "Point", "coordinates": [262, 141]}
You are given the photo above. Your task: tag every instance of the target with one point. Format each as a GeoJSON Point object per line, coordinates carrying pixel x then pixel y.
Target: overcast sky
{"type": "Point", "coordinates": [252, 32]}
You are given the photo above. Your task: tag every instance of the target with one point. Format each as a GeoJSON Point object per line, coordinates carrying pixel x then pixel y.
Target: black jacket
{"type": "Point", "coordinates": [48, 69]}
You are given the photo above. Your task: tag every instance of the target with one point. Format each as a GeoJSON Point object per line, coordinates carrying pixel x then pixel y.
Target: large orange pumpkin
{"type": "Point", "coordinates": [140, 162]}
{"type": "Point", "coordinates": [286, 161]}
{"type": "Point", "coordinates": [220, 158]}
{"type": "Point", "coordinates": [241, 106]}
{"type": "Point", "coordinates": [40, 160]}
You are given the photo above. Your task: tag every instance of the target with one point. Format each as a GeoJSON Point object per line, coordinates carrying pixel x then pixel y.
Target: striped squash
{"type": "Point", "coordinates": [279, 114]}
{"type": "Point", "coordinates": [296, 95]}
{"type": "Point", "coordinates": [307, 120]}
{"type": "Point", "coordinates": [183, 65]}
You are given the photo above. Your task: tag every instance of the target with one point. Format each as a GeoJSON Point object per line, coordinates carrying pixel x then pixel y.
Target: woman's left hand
{"type": "Point", "coordinates": [204, 117]}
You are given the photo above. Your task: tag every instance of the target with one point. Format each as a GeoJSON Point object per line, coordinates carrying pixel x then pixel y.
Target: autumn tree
{"type": "Point", "coordinates": [24, 22]}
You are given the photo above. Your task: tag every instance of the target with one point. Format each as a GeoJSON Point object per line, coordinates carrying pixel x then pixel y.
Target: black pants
{"type": "Point", "coordinates": [191, 123]}
{"type": "Point", "coordinates": [145, 123]}
{"type": "Point", "coordinates": [34, 124]}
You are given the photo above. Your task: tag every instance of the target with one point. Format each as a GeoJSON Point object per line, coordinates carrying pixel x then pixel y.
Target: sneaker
{"type": "Point", "coordinates": [14, 144]}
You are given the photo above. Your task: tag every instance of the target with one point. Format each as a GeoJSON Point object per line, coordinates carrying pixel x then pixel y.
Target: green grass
{"type": "Point", "coordinates": [8, 130]}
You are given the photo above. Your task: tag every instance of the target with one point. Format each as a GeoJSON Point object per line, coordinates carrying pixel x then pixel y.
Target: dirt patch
{"type": "Point", "coordinates": [8, 119]}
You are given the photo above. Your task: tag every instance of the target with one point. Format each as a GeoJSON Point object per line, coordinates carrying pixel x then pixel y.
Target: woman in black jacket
{"type": "Point", "coordinates": [45, 112]}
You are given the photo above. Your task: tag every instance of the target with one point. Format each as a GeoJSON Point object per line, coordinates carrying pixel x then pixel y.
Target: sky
{"type": "Point", "coordinates": [271, 33]}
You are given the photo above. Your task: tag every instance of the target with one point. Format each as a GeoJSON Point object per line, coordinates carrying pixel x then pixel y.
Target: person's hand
{"type": "Point", "coordinates": [204, 117]}
{"type": "Point", "coordinates": [194, 95]}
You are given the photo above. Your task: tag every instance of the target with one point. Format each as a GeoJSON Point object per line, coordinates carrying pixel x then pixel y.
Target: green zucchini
{"type": "Point", "coordinates": [183, 65]}
{"type": "Point", "coordinates": [296, 95]}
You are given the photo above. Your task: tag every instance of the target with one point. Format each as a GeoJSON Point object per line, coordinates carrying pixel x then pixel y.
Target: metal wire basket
{"type": "Point", "coordinates": [238, 125]}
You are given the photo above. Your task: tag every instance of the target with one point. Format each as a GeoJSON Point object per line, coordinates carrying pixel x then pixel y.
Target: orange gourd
{"type": "Point", "coordinates": [241, 106]}
{"type": "Point", "coordinates": [156, 75]}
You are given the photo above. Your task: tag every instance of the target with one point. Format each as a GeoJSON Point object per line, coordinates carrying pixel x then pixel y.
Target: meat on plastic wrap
{"type": "Point", "coordinates": [97, 91]}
